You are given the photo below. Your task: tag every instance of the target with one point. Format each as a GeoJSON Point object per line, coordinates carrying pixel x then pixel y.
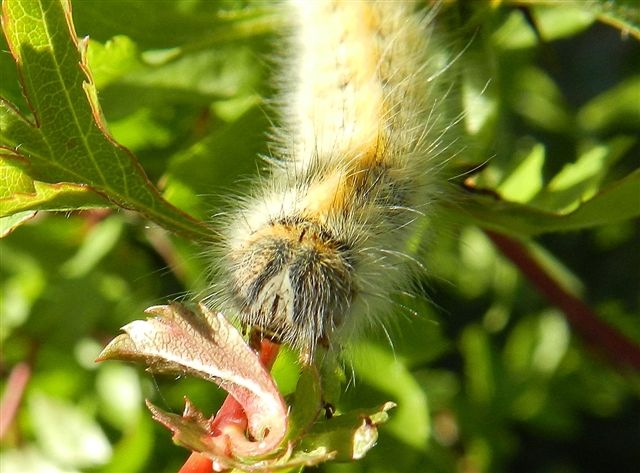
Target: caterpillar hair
{"type": "Point", "coordinates": [311, 257]}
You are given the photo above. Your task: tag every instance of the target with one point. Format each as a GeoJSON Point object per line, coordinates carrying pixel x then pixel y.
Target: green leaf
{"type": "Point", "coordinates": [350, 435]}
{"type": "Point", "coordinates": [307, 403]}
{"type": "Point", "coordinates": [102, 238]}
{"type": "Point", "coordinates": [192, 171]}
{"type": "Point", "coordinates": [109, 62]}
{"type": "Point", "coordinates": [67, 140]}
{"type": "Point", "coordinates": [563, 20]}
{"type": "Point", "coordinates": [479, 370]}
{"type": "Point", "coordinates": [567, 18]}
{"type": "Point", "coordinates": [577, 182]}
{"type": "Point", "coordinates": [613, 204]}
{"type": "Point", "coordinates": [61, 196]}
{"type": "Point", "coordinates": [194, 25]}
{"type": "Point", "coordinates": [617, 107]}
{"type": "Point", "coordinates": [67, 433]}
{"type": "Point", "coordinates": [384, 372]}
{"type": "Point", "coordinates": [621, 14]}
{"type": "Point", "coordinates": [526, 180]}
{"type": "Point", "coordinates": [19, 193]}
{"type": "Point", "coordinates": [540, 101]}
{"type": "Point", "coordinates": [11, 222]}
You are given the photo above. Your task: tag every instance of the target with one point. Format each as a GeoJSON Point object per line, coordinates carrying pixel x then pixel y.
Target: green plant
{"type": "Point", "coordinates": [482, 381]}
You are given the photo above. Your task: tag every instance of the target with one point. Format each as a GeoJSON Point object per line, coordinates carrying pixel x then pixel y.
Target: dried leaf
{"type": "Point", "coordinates": [206, 345]}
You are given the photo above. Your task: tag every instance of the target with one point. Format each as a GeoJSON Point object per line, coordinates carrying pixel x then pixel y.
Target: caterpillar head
{"type": "Point", "coordinates": [292, 280]}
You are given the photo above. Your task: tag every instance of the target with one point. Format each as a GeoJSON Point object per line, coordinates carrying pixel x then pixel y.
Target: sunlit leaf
{"type": "Point", "coordinates": [383, 372]}
{"type": "Point", "coordinates": [617, 106]}
{"type": "Point", "coordinates": [349, 436]}
{"type": "Point", "coordinates": [81, 443]}
{"type": "Point", "coordinates": [20, 193]}
{"type": "Point", "coordinates": [11, 222]}
{"type": "Point", "coordinates": [67, 140]}
{"type": "Point", "coordinates": [525, 181]}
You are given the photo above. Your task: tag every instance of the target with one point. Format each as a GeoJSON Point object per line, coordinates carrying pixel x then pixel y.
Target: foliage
{"type": "Point", "coordinates": [487, 377]}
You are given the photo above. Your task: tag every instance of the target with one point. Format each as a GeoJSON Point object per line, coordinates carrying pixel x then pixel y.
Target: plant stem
{"type": "Point", "coordinates": [14, 390]}
{"type": "Point", "coordinates": [608, 341]}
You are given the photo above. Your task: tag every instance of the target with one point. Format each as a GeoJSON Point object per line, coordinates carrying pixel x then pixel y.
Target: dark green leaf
{"type": "Point", "coordinates": [615, 203]}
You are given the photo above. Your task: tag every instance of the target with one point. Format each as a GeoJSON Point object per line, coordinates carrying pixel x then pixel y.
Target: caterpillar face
{"type": "Point", "coordinates": [294, 281]}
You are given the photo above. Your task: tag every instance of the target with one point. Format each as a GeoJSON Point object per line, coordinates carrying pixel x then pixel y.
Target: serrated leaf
{"type": "Point", "coordinates": [67, 140]}
{"type": "Point", "coordinates": [60, 197]}
{"type": "Point", "coordinates": [20, 193]}
{"type": "Point", "coordinates": [206, 345]}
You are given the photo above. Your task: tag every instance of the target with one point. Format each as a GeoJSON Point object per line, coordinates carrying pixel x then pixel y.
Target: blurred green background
{"type": "Point", "coordinates": [487, 376]}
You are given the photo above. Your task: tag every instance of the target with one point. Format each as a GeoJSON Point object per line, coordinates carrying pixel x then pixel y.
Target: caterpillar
{"type": "Point", "coordinates": [310, 257]}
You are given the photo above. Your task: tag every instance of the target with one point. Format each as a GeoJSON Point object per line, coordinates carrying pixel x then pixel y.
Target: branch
{"type": "Point", "coordinates": [614, 345]}
{"type": "Point", "coordinates": [14, 390]}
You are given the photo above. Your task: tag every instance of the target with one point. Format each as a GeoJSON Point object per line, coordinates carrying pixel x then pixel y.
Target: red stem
{"type": "Point", "coordinates": [197, 463]}
{"type": "Point", "coordinates": [614, 345]}
{"type": "Point", "coordinates": [14, 390]}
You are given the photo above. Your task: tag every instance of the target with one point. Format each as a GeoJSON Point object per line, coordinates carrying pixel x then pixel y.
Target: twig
{"type": "Point", "coordinates": [614, 345]}
{"type": "Point", "coordinates": [14, 390]}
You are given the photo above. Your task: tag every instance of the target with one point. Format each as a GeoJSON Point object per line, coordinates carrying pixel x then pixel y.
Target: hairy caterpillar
{"type": "Point", "coordinates": [311, 257]}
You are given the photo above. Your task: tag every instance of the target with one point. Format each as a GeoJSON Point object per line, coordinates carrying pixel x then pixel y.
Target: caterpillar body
{"type": "Point", "coordinates": [311, 257]}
